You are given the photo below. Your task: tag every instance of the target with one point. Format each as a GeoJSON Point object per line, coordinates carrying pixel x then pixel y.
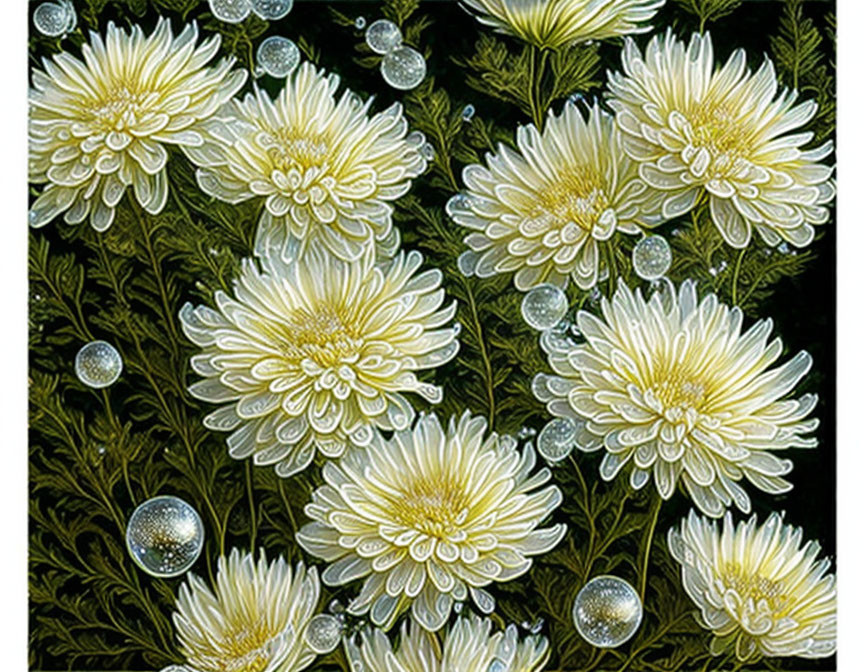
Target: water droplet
{"type": "Point", "coordinates": [323, 633]}
{"type": "Point", "coordinates": [383, 36]}
{"type": "Point", "coordinates": [544, 306]}
{"type": "Point", "coordinates": [403, 68]}
{"type": "Point", "coordinates": [165, 536]}
{"type": "Point", "coordinates": [575, 98]}
{"type": "Point", "coordinates": [52, 19]}
{"type": "Point", "coordinates": [526, 433]}
{"type": "Point", "coordinates": [557, 439]}
{"type": "Point", "coordinates": [457, 328]}
{"type": "Point", "coordinates": [468, 112]}
{"type": "Point", "coordinates": [98, 364]}
{"type": "Point", "coordinates": [607, 612]}
{"type": "Point", "coordinates": [231, 11]}
{"type": "Point", "coordinates": [652, 257]}
{"type": "Point", "coordinates": [360, 22]}
{"type": "Point", "coordinates": [428, 152]}
{"type": "Point", "coordinates": [272, 10]}
{"type": "Point", "coordinates": [783, 248]}
{"type": "Point", "coordinates": [278, 56]}
{"type": "Point", "coordinates": [497, 666]}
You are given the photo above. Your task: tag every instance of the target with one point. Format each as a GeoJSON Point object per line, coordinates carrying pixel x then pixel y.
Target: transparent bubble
{"type": "Point", "coordinates": [278, 56]}
{"type": "Point", "coordinates": [468, 112]}
{"type": "Point", "coordinates": [98, 364]}
{"type": "Point", "coordinates": [52, 19]}
{"type": "Point", "coordinates": [428, 151]}
{"type": "Point", "coordinates": [403, 68]}
{"type": "Point", "coordinates": [557, 439]}
{"type": "Point", "coordinates": [231, 11]}
{"type": "Point", "coordinates": [323, 633]}
{"type": "Point", "coordinates": [360, 22]}
{"type": "Point", "coordinates": [272, 10]}
{"type": "Point", "coordinates": [652, 257]}
{"type": "Point", "coordinates": [165, 536]}
{"type": "Point", "coordinates": [544, 306]}
{"type": "Point", "coordinates": [497, 665]}
{"type": "Point", "coordinates": [607, 612]}
{"type": "Point", "coordinates": [383, 36]}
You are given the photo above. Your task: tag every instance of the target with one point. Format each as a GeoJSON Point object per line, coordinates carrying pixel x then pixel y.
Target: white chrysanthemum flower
{"type": "Point", "coordinates": [546, 211]}
{"type": "Point", "coordinates": [318, 352]}
{"type": "Point", "coordinates": [724, 135]}
{"type": "Point", "coordinates": [678, 391]}
{"type": "Point", "coordinates": [555, 24]}
{"type": "Point", "coordinates": [253, 621]}
{"type": "Point", "coordinates": [324, 166]}
{"type": "Point", "coordinates": [470, 646]}
{"type": "Point", "coordinates": [429, 517]}
{"type": "Point", "coordinates": [100, 126]}
{"type": "Point", "coordinates": [757, 589]}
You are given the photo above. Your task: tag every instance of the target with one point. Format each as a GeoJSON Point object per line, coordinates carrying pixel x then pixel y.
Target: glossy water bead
{"type": "Point", "coordinates": [556, 439]}
{"type": "Point", "coordinates": [544, 306]}
{"type": "Point", "coordinates": [278, 56]}
{"type": "Point", "coordinates": [98, 364]}
{"type": "Point", "coordinates": [165, 536]}
{"type": "Point", "coordinates": [53, 18]}
{"type": "Point", "coordinates": [403, 68]}
{"type": "Point", "coordinates": [272, 10]}
{"type": "Point", "coordinates": [323, 633]}
{"type": "Point", "coordinates": [468, 112]}
{"type": "Point", "coordinates": [607, 612]}
{"type": "Point", "coordinates": [383, 36]}
{"type": "Point", "coordinates": [652, 257]}
{"type": "Point", "coordinates": [231, 11]}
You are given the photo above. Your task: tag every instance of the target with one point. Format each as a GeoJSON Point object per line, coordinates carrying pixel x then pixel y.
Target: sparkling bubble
{"type": "Point", "coordinates": [544, 307]}
{"type": "Point", "coordinates": [607, 612]}
{"type": "Point", "coordinates": [383, 36]}
{"type": "Point", "coordinates": [652, 257]}
{"type": "Point", "coordinates": [403, 68]}
{"type": "Point", "coordinates": [323, 633]}
{"type": "Point", "coordinates": [468, 112]}
{"type": "Point", "coordinates": [497, 665]}
{"type": "Point", "coordinates": [360, 22]}
{"type": "Point", "coordinates": [52, 19]}
{"type": "Point", "coordinates": [278, 56]}
{"type": "Point", "coordinates": [165, 536]}
{"type": "Point", "coordinates": [231, 11]}
{"type": "Point", "coordinates": [428, 151]}
{"type": "Point", "coordinates": [272, 10]}
{"type": "Point", "coordinates": [556, 439]}
{"type": "Point", "coordinates": [98, 364]}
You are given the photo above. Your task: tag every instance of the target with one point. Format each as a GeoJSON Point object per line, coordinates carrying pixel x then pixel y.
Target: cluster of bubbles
{"type": "Point", "coordinates": [235, 11]}
{"type": "Point", "coordinates": [98, 364]}
{"type": "Point", "coordinates": [55, 19]}
{"type": "Point", "coordinates": [652, 257]}
{"type": "Point", "coordinates": [402, 67]}
{"type": "Point", "coordinates": [165, 536]}
{"type": "Point", "coordinates": [278, 56]}
{"type": "Point", "coordinates": [607, 612]}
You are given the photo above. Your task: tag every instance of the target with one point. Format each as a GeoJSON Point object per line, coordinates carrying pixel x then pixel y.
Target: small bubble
{"type": "Point", "coordinates": [383, 36]}
{"type": "Point", "coordinates": [360, 22]}
{"type": "Point", "coordinates": [231, 11]}
{"type": "Point", "coordinates": [652, 257]}
{"type": "Point", "coordinates": [278, 56]}
{"type": "Point", "coordinates": [403, 68]}
{"type": "Point", "coordinates": [544, 306]}
{"type": "Point", "coordinates": [468, 112]}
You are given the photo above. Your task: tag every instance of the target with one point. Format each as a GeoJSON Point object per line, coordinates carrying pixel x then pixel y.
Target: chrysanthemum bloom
{"type": "Point", "coordinates": [100, 126]}
{"type": "Point", "coordinates": [430, 517]}
{"type": "Point", "coordinates": [555, 24]}
{"type": "Point", "coordinates": [469, 646]}
{"type": "Point", "coordinates": [757, 589]}
{"type": "Point", "coordinates": [253, 621]}
{"type": "Point", "coordinates": [544, 212]}
{"type": "Point", "coordinates": [677, 390]}
{"type": "Point", "coordinates": [318, 352]}
{"type": "Point", "coordinates": [325, 167]}
{"type": "Point", "coordinates": [725, 135]}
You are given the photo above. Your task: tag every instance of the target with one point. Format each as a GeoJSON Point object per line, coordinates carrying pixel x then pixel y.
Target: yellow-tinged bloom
{"type": "Point", "coordinates": [469, 646]}
{"type": "Point", "coordinates": [100, 126]}
{"type": "Point", "coordinates": [253, 621]}
{"type": "Point", "coordinates": [325, 167]}
{"type": "Point", "coordinates": [758, 590]}
{"type": "Point", "coordinates": [724, 134]}
{"type": "Point", "coordinates": [544, 212]}
{"type": "Point", "coordinates": [555, 24]}
{"type": "Point", "coordinates": [675, 389]}
{"type": "Point", "coordinates": [318, 352]}
{"type": "Point", "coordinates": [429, 517]}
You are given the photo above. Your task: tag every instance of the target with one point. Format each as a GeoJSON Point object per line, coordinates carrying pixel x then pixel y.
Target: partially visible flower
{"type": "Point", "coordinates": [555, 24]}
{"type": "Point", "coordinates": [430, 517]}
{"type": "Point", "coordinates": [100, 126]}
{"type": "Point", "coordinates": [317, 353]}
{"type": "Point", "coordinates": [325, 168]}
{"type": "Point", "coordinates": [722, 134]}
{"type": "Point", "coordinates": [757, 589]}
{"type": "Point", "coordinates": [254, 619]}
{"type": "Point", "coordinates": [546, 211]}
{"type": "Point", "coordinates": [469, 646]}
{"type": "Point", "coordinates": [678, 392]}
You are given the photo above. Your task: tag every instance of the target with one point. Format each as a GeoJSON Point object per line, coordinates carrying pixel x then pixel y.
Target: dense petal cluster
{"type": "Point", "coordinates": [674, 389]}
{"type": "Point", "coordinates": [544, 212]}
{"type": "Point", "coordinates": [757, 588]}
{"type": "Point", "coordinates": [100, 126]}
{"type": "Point", "coordinates": [316, 353]}
{"type": "Point", "coordinates": [469, 646]}
{"type": "Point", "coordinates": [325, 167]}
{"type": "Point", "coordinates": [725, 135]}
{"type": "Point", "coordinates": [429, 517]}
{"type": "Point", "coordinates": [253, 621]}
{"type": "Point", "coordinates": [555, 24]}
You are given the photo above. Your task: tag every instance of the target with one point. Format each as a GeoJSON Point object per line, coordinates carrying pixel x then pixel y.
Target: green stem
{"type": "Point", "coordinates": [535, 85]}
{"type": "Point", "coordinates": [647, 540]}
{"type": "Point", "coordinates": [735, 276]}
{"type": "Point", "coordinates": [484, 355]}
{"type": "Point", "coordinates": [253, 520]}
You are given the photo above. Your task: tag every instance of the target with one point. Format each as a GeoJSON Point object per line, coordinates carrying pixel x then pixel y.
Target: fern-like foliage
{"type": "Point", "coordinates": [708, 11]}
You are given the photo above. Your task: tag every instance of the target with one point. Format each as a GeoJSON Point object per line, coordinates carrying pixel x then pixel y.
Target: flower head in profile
{"type": "Point", "coordinates": [545, 211]}
{"type": "Point", "coordinates": [316, 353]}
{"type": "Point", "coordinates": [100, 126]}
{"type": "Point", "coordinates": [469, 646]}
{"type": "Point", "coordinates": [252, 621]}
{"type": "Point", "coordinates": [430, 517]}
{"type": "Point", "coordinates": [674, 389]}
{"type": "Point", "coordinates": [725, 135]}
{"type": "Point", "coordinates": [555, 24]}
{"type": "Point", "coordinates": [758, 590]}
{"type": "Point", "coordinates": [325, 168]}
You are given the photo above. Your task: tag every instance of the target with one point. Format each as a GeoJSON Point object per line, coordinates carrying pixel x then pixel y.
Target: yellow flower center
{"type": "Point", "coordinates": [578, 196]}
{"type": "Point", "coordinates": [322, 335]}
{"type": "Point", "coordinates": [242, 649]}
{"type": "Point", "coordinates": [757, 587]}
{"type": "Point", "coordinates": [289, 149]}
{"type": "Point", "coordinates": [120, 108]}
{"type": "Point", "coordinates": [680, 391]}
{"type": "Point", "coordinates": [722, 134]}
{"type": "Point", "coordinates": [436, 508]}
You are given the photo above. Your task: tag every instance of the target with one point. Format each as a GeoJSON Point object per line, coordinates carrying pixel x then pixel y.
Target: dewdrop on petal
{"type": "Point", "coordinates": [557, 439]}
{"type": "Point", "coordinates": [278, 56]}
